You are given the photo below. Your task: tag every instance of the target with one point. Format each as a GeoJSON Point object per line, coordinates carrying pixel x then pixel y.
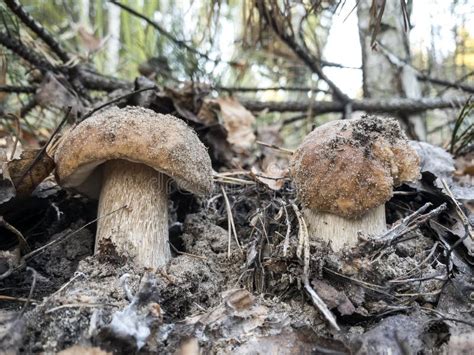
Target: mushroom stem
{"type": "Point", "coordinates": [139, 231]}
{"type": "Point", "coordinates": [341, 231]}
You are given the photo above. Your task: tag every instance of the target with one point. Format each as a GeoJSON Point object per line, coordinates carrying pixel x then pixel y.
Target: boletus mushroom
{"type": "Point", "coordinates": [126, 158]}
{"type": "Point", "coordinates": [345, 171]}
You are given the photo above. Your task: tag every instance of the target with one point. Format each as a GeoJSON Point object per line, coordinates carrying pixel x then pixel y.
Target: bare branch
{"type": "Point", "coordinates": [18, 89]}
{"type": "Point", "coordinates": [394, 105]}
{"type": "Point", "coordinates": [28, 20]}
{"type": "Point", "coordinates": [272, 88]}
{"type": "Point", "coordinates": [309, 59]}
{"type": "Point", "coordinates": [447, 83]}
{"type": "Point", "coordinates": [24, 52]}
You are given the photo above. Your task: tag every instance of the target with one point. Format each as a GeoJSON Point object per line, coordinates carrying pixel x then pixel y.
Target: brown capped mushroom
{"type": "Point", "coordinates": [125, 157]}
{"type": "Point", "coordinates": [345, 171]}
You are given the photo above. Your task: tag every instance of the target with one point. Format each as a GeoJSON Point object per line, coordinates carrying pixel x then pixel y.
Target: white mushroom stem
{"type": "Point", "coordinates": [343, 232]}
{"type": "Point", "coordinates": [138, 232]}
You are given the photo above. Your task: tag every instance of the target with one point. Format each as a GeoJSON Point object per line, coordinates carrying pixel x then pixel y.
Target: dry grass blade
{"type": "Point", "coordinates": [231, 224]}
{"type": "Point", "coordinates": [275, 147]}
{"type": "Point", "coordinates": [318, 302]}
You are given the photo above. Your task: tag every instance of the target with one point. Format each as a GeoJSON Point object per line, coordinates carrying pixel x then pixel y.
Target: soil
{"type": "Point", "coordinates": [221, 295]}
{"type": "Point", "coordinates": [248, 301]}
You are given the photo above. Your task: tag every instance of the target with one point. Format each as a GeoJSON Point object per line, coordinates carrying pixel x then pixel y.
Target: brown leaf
{"type": "Point", "coordinates": [333, 298]}
{"type": "Point", "coordinates": [54, 92]}
{"type": "Point", "coordinates": [238, 122]}
{"type": "Point", "coordinates": [188, 99]}
{"type": "Point", "coordinates": [15, 169]}
{"type": "Point", "coordinates": [274, 175]}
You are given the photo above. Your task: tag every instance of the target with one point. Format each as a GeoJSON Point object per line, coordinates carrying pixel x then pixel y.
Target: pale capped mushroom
{"type": "Point", "coordinates": [125, 157]}
{"type": "Point", "coordinates": [345, 171]}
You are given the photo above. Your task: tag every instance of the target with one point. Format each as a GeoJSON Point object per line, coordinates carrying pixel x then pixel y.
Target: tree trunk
{"type": "Point", "coordinates": [386, 70]}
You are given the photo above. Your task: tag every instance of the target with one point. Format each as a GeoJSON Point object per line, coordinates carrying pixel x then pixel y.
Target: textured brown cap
{"type": "Point", "coordinates": [139, 135]}
{"type": "Point", "coordinates": [350, 166]}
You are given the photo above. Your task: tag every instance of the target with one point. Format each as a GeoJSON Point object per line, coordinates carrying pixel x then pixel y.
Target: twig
{"type": "Point", "coordinates": [77, 274]}
{"type": "Point", "coordinates": [230, 219]}
{"type": "Point", "coordinates": [184, 253]}
{"type": "Point", "coordinates": [17, 299]}
{"type": "Point", "coordinates": [318, 302]}
{"type": "Point", "coordinates": [78, 305]}
{"type": "Point", "coordinates": [273, 146]}
{"type": "Point", "coordinates": [66, 237]}
{"type": "Point", "coordinates": [304, 245]}
{"type": "Point", "coordinates": [270, 15]}
{"type": "Point", "coordinates": [18, 89]}
{"type": "Point", "coordinates": [446, 317]}
{"type": "Point", "coordinates": [231, 180]}
{"type": "Point", "coordinates": [32, 288]}
{"type": "Point", "coordinates": [21, 240]}
{"type": "Point", "coordinates": [408, 224]}
{"type": "Point", "coordinates": [459, 211]}
{"type": "Point", "coordinates": [120, 98]}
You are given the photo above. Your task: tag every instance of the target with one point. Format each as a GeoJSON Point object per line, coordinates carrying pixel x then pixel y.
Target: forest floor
{"type": "Point", "coordinates": [411, 293]}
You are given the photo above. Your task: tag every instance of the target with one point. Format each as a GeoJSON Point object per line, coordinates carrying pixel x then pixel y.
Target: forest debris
{"type": "Point", "coordinates": [273, 176]}
{"type": "Point", "coordinates": [55, 91]}
{"type": "Point", "coordinates": [238, 122]}
{"type": "Point", "coordinates": [409, 223]}
{"type": "Point", "coordinates": [238, 315]}
{"type": "Point", "coordinates": [15, 170]}
{"type": "Point", "coordinates": [333, 298]}
{"type": "Point", "coordinates": [188, 99]}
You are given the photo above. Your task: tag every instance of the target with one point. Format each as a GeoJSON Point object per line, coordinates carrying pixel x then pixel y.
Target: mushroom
{"type": "Point", "coordinates": [345, 171]}
{"type": "Point", "coordinates": [126, 158]}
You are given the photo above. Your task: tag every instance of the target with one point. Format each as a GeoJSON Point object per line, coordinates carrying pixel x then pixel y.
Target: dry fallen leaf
{"type": "Point", "coordinates": [273, 176]}
{"type": "Point", "coordinates": [15, 169]}
{"type": "Point", "coordinates": [54, 92]}
{"type": "Point", "coordinates": [238, 122]}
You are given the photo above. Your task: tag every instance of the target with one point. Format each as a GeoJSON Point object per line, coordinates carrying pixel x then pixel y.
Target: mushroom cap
{"type": "Point", "coordinates": [139, 135]}
{"type": "Point", "coordinates": [347, 167]}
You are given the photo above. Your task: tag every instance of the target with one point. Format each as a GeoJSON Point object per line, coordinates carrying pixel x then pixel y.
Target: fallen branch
{"type": "Point", "coordinates": [368, 105]}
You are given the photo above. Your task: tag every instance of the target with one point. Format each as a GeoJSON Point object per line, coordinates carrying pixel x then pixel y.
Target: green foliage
{"type": "Point", "coordinates": [462, 137]}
